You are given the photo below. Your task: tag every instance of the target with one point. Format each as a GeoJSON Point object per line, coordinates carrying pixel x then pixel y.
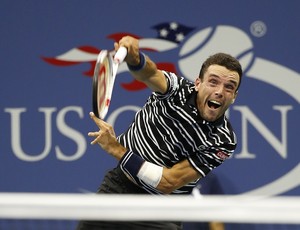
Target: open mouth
{"type": "Point", "coordinates": [213, 104]}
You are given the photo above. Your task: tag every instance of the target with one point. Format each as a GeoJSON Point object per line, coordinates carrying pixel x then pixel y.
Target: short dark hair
{"type": "Point", "coordinates": [225, 60]}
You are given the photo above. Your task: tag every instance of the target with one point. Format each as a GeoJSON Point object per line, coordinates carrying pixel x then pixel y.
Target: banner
{"type": "Point", "coordinates": [48, 52]}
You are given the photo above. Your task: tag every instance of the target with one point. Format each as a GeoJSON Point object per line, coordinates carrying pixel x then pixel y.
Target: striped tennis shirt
{"type": "Point", "coordinates": [169, 129]}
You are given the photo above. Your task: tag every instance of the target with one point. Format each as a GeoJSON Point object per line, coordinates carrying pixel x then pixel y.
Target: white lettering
{"type": "Point", "coordinates": [248, 116]}
{"type": "Point", "coordinates": [71, 133]}
{"type": "Point", "coordinates": [16, 134]}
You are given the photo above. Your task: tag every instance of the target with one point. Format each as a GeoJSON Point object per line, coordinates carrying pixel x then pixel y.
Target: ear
{"type": "Point", "coordinates": [197, 82]}
{"type": "Point", "coordinates": [235, 95]}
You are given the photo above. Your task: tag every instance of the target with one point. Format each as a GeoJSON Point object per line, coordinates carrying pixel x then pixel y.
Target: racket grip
{"type": "Point", "coordinates": [120, 55]}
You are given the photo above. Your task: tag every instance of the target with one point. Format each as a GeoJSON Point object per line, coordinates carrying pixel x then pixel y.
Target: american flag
{"type": "Point", "coordinates": [169, 36]}
{"type": "Point", "coordinates": [172, 31]}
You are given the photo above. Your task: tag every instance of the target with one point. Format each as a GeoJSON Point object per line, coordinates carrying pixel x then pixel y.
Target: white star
{"type": "Point", "coordinates": [173, 26]}
{"type": "Point", "coordinates": [163, 33]}
{"type": "Point", "coordinates": [179, 37]}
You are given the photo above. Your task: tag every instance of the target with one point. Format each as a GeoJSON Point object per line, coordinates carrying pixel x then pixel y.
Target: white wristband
{"type": "Point", "coordinates": [150, 173]}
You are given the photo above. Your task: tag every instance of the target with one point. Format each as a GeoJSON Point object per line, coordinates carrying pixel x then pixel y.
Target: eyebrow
{"type": "Point", "coordinates": [216, 76]}
{"type": "Point", "coordinates": [233, 82]}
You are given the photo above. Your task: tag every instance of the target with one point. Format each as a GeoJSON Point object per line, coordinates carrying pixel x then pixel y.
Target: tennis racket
{"type": "Point", "coordinates": [104, 77]}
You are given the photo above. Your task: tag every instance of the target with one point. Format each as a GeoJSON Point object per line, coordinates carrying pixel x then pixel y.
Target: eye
{"type": "Point", "coordinates": [213, 82]}
{"type": "Point", "coordinates": [230, 87]}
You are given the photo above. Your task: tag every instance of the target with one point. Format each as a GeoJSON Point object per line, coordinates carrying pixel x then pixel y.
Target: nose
{"type": "Point", "coordinates": [219, 91]}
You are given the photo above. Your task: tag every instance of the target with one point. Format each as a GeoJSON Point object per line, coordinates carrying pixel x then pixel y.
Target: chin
{"type": "Point", "coordinates": [210, 117]}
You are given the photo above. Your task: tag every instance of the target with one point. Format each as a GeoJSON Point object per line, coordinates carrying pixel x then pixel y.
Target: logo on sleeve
{"type": "Point", "coordinates": [222, 155]}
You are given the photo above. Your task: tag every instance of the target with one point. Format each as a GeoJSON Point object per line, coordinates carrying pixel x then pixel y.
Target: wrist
{"type": "Point", "coordinates": [138, 169]}
{"type": "Point", "coordinates": [119, 152]}
{"type": "Point", "coordinates": [130, 163]}
{"type": "Point", "coordinates": [141, 64]}
{"type": "Point", "coordinates": [114, 149]}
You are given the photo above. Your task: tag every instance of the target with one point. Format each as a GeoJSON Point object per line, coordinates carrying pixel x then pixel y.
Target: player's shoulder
{"type": "Point", "coordinates": [176, 81]}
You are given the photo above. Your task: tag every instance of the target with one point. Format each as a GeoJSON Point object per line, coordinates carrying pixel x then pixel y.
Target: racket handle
{"type": "Point", "coordinates": [120, 55]}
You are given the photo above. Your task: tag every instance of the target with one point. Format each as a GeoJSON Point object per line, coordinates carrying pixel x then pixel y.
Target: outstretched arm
{"type": "Point", "coordinates": [143, 68]}
{"type": "Point", "coordinates": [169, 179]}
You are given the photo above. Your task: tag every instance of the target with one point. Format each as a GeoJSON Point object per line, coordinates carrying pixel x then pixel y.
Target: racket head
{"type": "Point", "coordinates": [102, 84]}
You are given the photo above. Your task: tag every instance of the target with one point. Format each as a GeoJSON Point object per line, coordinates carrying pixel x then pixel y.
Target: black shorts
{"type": "Point", "coordinates": [115, 182]}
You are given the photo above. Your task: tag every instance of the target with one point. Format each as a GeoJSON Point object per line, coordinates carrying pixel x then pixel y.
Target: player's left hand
{"type": "Point", "coordinates": [106, 138]}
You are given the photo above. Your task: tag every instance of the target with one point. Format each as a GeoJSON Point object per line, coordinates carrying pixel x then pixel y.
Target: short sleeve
{"type": "Point", "coordinates": [173, 85]}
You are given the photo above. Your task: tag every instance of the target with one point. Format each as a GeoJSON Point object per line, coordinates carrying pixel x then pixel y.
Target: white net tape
{"type": "Point", "coordinates": [231, 209]}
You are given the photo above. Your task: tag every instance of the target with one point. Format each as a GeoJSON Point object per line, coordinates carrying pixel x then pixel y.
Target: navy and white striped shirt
{"type": "Point", "coordinates": [169, 129]}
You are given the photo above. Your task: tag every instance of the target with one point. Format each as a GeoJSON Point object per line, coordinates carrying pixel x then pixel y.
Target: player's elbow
{"type": "Point", "coordinates": [166, 189]}
{"type": "Point", "coordinates": [170, 184]}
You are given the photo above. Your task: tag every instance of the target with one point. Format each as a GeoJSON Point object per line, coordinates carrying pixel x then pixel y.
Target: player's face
{"type": "Point", "coordinates": [216, 91]}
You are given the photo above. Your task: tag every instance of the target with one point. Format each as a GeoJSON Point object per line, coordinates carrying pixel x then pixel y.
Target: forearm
{"type": "Point", "coordinates": [117, 151]}
{"type": "Point", "coordinates": [146, 71]}
{"type": "Point", "coordinates": [163, 179]}
{"type": "Point", "coordinates": [179, 175]}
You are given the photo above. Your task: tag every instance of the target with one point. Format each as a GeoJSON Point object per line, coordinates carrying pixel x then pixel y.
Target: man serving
{"type": "Point", "coordinates": [179, 135]}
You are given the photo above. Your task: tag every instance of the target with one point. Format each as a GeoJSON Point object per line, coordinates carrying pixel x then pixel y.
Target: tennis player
{"type": "Point", "coordinates": [178, 137]}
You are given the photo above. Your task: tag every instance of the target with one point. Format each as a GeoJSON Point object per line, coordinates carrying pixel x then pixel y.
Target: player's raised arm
{"type": "Point", "coordinates": [141, 66]}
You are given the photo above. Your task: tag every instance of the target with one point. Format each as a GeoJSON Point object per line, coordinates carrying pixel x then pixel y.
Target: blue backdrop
{"type": "Point", "coordinates": [48, 51]}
